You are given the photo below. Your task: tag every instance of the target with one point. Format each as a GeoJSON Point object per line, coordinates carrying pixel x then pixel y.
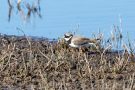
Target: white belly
{"type": "Point", "coordinates": [73, 45]}
{"type": "Point", "coordinates": [77, 46]}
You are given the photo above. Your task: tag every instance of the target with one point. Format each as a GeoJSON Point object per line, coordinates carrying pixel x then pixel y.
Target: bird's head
{"type": "Point", "coordinates": [68, 36]}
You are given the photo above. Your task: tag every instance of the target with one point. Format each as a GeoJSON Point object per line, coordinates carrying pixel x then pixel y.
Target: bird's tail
{"type": "Point", "coordinates": [96, 40]}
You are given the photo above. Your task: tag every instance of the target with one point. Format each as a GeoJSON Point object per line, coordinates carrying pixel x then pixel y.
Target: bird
{"type": "Point", "coordinates": [79, 41]}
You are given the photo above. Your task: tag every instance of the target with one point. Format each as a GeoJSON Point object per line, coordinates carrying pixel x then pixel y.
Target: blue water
{"type": "Point", "coordinates": [81, 16]}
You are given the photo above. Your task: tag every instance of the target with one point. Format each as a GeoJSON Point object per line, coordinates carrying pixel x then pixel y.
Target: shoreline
{"type": "Point", "coordinates": [30, 63]}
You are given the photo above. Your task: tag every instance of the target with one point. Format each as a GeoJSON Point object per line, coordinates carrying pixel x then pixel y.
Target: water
{"type": "Point", "coordinates": [81, 16]}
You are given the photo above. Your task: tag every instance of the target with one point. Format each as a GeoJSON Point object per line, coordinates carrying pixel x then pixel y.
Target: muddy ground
{"type": "Point", "coordinates": [40, 64]}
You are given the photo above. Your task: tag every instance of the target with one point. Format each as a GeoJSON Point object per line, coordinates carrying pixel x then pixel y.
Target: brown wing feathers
{"type": "Point", "coordinates": [80, 41]}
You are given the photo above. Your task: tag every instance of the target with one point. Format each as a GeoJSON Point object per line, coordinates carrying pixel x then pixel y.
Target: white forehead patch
{"type": "Point", "coordinates": [68, 34]}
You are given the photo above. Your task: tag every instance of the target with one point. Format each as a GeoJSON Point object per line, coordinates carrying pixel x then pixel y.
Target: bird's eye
{"type": "Point", "coordinates": [67, 36]}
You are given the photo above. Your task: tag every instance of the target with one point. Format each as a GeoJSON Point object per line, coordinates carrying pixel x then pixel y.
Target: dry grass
{"type": "Point", "coordinates": [41, 65]}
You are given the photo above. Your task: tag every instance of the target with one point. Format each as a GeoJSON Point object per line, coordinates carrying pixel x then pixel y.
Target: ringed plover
{"type": "Point", "coordinates": [78, 41]}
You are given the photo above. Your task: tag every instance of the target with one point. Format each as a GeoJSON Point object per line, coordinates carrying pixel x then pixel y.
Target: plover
{"type": "Point", "coordinates": [78, 41]}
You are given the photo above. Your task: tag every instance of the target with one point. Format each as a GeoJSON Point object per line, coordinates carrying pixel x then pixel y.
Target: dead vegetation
{"type": "Point", "coordinates": [24, 9]}
{"type": "Point", "coordinates": [26, 63]}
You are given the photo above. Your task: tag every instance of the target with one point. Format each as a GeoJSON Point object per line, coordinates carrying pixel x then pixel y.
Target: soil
{"type": "Point", "coordinates": [40, 64]}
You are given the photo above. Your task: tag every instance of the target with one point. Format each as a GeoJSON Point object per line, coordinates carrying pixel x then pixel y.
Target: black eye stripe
{"type": "Point", "coordinates": [67, 36]}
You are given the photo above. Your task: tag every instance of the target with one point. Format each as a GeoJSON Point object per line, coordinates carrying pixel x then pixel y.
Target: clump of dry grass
{"type": "Point", "coordinates": [29, 64]}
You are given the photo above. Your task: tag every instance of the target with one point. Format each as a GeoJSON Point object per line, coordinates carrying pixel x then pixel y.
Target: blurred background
{"type": "Point", "coordinates": [83, 17]}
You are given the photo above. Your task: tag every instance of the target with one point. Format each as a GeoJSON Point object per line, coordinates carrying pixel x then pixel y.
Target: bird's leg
{"type": "Point", "coordinates": [97, 47]}
{"type": "Point", "coordinates": [81, 50]}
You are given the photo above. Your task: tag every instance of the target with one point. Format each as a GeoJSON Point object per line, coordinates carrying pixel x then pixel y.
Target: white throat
{"type": "Point", "coordinates": [67, 39]}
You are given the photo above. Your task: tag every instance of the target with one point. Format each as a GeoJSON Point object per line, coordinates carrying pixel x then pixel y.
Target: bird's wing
{"type": "Point", "coordinates": [80, 40]}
